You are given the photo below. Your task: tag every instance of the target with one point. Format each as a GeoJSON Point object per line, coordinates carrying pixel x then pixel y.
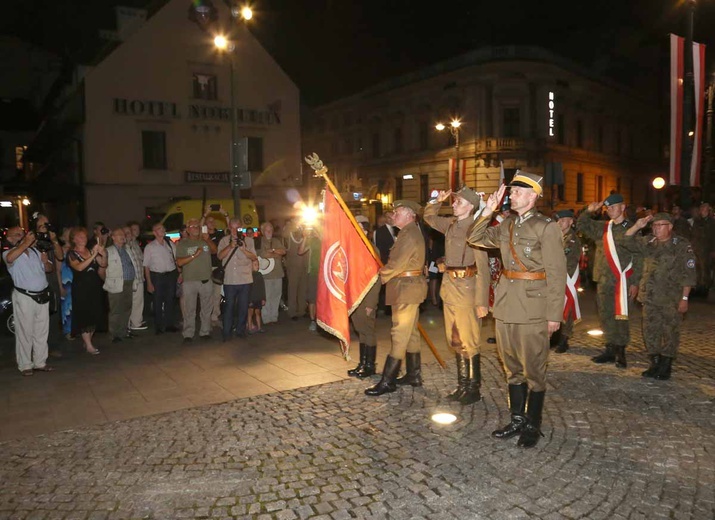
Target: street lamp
{"type": "Point", "coordinates": [658, 184]}
{"type": "Point", "coordinates": [223, 44]}
{"type": "Point", "coordinates": [454, 130]}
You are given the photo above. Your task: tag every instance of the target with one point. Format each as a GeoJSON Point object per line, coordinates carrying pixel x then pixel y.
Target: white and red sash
{"type": "Point", "coordinates": [571, 299]}
{"type": "Point", "coordinates": [621, 275]}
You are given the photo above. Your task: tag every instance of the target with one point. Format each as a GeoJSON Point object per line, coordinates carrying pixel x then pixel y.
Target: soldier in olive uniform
{"type": "Point", "coordinates": [465, 289]}
{"type": "Point", "coordinates": [406, 289]}
{"type": "Point", "coordinates": [363, 318]}
{"type": "Point", "coordinates": [296, 270]}
{"type": "Point", "coordinates": [617, 273]}
{"type": "Point", "coordinates": [668, 275]}
{"type": "Point", "coordinates": [529, 299]}
{"type": "Point", "coordinates": [572, 251]}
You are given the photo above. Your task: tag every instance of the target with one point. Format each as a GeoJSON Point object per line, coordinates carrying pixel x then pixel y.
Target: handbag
{"type": "Point", "coordinates": [219, 273]}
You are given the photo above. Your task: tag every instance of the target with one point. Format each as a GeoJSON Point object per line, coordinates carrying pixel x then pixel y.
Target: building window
{"type": "Point", "coordinates": [599, 187]}
{"type": "Point", "coordinates": [600, 138]}
{"type": "Point", "coordinates": [579, 133]}
{"type": "Point", "coordinates": [254, 147]}
{"type": "Point", "coordinates": [375, 145]}
{"type": "Point", "coordinates": [618, 185]}
{"type": "Point", "coordinates": [424, 135]}
{"type": "Point", "coordinates": [511, 122]}
{"type": "Point", "coordinates": [561, 129]}
{"type": "Point", "coordinates": [20, 159]}
{"type": "Point", "coordinates": [205, 87]}
{"type": "Point", "coordinates": [424, 188]}
{"type": "Point", "coordinates": [398, 188]}
{"type": "Point", "coordinates": [579, 187]}
{"type": "Point", "coordinates": [154, 150]}
{"type": "Point", "coordinates": [399, 145]}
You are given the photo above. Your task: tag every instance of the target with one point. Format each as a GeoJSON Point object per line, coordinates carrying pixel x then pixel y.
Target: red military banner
{"type": "Point", "coordinates": [348, 270]}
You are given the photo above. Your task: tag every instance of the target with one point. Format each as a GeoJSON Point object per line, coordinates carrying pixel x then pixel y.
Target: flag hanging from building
{"type": "Point", "coordinates": [348, 270]}
{"type": "Point", "coordinates": [677, 58]}
{"type": "Point", "coordinates": [457, 179]}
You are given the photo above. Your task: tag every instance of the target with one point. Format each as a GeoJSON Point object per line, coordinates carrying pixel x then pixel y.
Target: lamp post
{"type": "Point", "coordinates": [223, 44]}
{"type": "Point", "coordinates": [658, 183]}
{"type": "Point", "coordinates": [454, 130]}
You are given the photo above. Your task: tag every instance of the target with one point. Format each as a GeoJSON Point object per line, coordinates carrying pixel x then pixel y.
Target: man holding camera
{"type": "Point", "coordinates": [48, 243]}
{"type": "Point", "coordinates": [28, 268]}
{"type": "Point", "coordinates": [193, 255]}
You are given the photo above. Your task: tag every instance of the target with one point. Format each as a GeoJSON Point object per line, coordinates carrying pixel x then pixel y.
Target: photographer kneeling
{"type": "Point", "coordinates": [236, 253]}
{"type": "Point", "coordinates": [30, 300]}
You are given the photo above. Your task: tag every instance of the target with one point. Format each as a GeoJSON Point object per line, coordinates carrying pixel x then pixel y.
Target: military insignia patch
{"type": "Point", "coordinates": [527, 250]}
{"type": "Point", "coordinates": [691, 264]}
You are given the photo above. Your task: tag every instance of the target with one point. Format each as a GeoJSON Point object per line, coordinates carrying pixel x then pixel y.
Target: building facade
{"type": "Point", "coordinates": [519, 107]}
{"type": "Point", "coordinates": [152, 120]}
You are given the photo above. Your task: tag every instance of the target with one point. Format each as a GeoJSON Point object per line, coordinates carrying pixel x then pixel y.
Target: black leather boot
{"type": "Point", "coordinates": [608, 356]}
{"type": "Point", "coordinates": [664, 368]}
{"type": "Point", "coordinates": [369, 369]}
{"type": "Point", "coordinates": [531, 432]}
{"type": "Point", "coordinates": [653, 367]}
{"type": "Point", "coordinates": [361, 365]}
{"type": "Point", "coordinates": [474, 383]}
{"type": "Point", "coordinates": [620, 353]}
{"type": "Point", "coordinates": [517, 405]}
{"type": "Point", "coordinates": [563, 345]}
{"type": "Point", "coordinates": [387, 382]}
{"type": "Point", "coordinates": [462, 376]}
{"type": "Point", "coordinates": [413, 374]}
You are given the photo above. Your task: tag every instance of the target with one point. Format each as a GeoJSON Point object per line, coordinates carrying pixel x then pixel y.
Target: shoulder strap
{"type": "Point", "coordinates": [230, 256]}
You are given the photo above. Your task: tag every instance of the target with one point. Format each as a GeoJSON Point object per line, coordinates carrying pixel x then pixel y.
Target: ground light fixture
{"type": "Point", "coordinates": [444, 418]}
{"type": "Point", "coordinates": [595, 332]}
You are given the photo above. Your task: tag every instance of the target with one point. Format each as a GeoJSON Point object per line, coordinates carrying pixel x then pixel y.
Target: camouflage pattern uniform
{"type": "Point", "coordinates": [616, 332]}
{"type": "Point", "coordinates": [668, 267]}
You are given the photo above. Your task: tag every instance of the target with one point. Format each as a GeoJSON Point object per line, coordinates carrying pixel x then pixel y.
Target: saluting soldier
{"type": "Point", "coordinates": [529, 299]}
{"type": "Point", "coordinates": [616, 271]}
{"type": "Point", "coordinates": [572, 252]}
{"type": "Point", "coordinates": [668, 275]}
{"type": "Point", "coordinates": [406, 288]}
{"type": "Point", "coordinates": [465, 289]}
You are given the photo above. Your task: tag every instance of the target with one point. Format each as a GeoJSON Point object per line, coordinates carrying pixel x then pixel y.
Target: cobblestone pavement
{"type": "Point", "coordinates": [616, 446]}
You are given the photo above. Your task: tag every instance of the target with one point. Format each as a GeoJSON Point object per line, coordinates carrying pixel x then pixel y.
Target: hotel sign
{"type": "Point", "coordinates": [166, 109]}
{"type": "Point", "coordinates": [552, 107]}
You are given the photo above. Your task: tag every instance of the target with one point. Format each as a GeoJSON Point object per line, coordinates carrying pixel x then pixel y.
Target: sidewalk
{"type": "Point", "coordinates": [616, 446]}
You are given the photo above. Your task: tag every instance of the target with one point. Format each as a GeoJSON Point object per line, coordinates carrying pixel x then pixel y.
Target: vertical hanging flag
{"type": "Point", "coordinates": [347, 272]}
{"type": "Point", "coordinates": [677, 45]}
{"type": "Point", "coordinates": [457, 179]}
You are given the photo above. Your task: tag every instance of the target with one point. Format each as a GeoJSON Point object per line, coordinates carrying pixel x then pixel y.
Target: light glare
{"type": "Point", "coordinates": [595, 332]}
{"type": "Point", "coordinates": [221, 42]}
{"type": "Point", "coordinates": [444, 418]}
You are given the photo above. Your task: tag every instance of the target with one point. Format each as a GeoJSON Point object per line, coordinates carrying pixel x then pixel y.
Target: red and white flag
{"type": "Point", "coordinates": [347, 272]}
{"type": "Point", "coordinates": [677, 45]}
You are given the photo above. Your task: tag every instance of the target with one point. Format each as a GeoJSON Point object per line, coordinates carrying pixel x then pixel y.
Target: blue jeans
{"type": "Point", "coordinates": [235, 310]}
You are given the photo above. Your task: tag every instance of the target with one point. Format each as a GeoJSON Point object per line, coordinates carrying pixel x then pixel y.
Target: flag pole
{"type": "Point", "coordinates": [322, 171]}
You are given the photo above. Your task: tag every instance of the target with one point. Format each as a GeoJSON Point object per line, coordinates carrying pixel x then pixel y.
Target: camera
{"type": "Point", "coordinates": [44, 241]}
{"type": "Point", "coordinates": [104, 230]}
{"type": "Point", "coordinates": [240, 238]}
{"type": "Point", "coordinates": [215, 207]}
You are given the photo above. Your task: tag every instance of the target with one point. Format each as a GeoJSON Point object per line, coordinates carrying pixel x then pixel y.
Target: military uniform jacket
{"type": "Point", "coordinates": [572, 250]}
{"type": "Point", "coordinates": [667, 268]}
{"type": "Point", "coordinates": [472, 291]}
{"type": "Point", "coordinates": [593, 230]}
{"type": "Point", "coordinates": [407, 254]}
{"type": "Point", "coordinates": [537, 241]}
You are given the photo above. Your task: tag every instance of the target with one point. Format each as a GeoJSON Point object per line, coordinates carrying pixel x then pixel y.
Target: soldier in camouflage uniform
{"type": "Point", "coordinates": [668, 275]}
{"type": "Point", "coordinates": [612, 303]}
{"type": "Point", "coordinates": [465, 289]}
{"type": "Point", "coordinates": [572, 251]}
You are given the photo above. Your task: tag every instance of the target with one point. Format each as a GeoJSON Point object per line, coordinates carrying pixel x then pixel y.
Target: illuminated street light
{"type": "Point", "coordinates": [220, 42]}
{"type": "Point", "coordinates": [658, 183]}
{"type": "Point", "coordinates": [454, 130]}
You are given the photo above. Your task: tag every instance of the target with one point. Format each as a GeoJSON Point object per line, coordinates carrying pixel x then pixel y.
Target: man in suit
{"type": "Point", "coordinates": [406, 287]}
{"type": "Point", "coordinates": [529, 299]}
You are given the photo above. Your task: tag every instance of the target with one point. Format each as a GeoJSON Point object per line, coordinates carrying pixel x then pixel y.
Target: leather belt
{"type": "Point", "coordinates": [524, 275]}
{"type": "Point", "coordinates": [462, 271]}
{"type": "Point", "coordinates": [407, 274]}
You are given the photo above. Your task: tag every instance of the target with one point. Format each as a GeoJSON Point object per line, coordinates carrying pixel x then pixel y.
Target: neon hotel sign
{"type": "Point", "coordinates": [552, 106]}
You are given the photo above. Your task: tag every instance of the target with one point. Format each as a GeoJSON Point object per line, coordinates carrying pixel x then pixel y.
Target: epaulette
{"type": "Point", "coordinates": [676, 240]}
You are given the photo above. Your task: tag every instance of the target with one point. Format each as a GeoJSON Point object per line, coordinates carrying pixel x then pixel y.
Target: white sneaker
{"type": "Point", "coordinates": [142, 326]}
{"type": "Point", "coordinates": [312, 327]}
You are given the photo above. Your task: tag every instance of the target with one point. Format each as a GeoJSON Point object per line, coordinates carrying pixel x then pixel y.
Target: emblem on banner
{"type": "Point", "coordinates": [335, 270]}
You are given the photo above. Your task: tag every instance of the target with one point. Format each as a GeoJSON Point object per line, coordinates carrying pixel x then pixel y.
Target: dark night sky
{"type": "Point", "coordinates": [332, 48]}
